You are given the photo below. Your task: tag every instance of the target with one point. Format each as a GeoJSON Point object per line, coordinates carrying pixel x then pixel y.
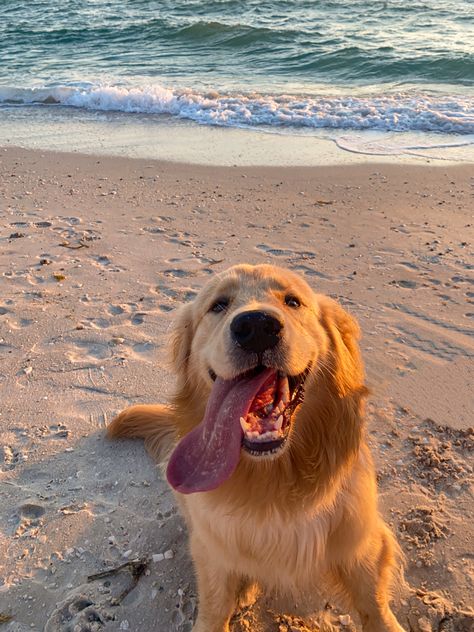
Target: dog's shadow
{"type": "Point", "coordinates": [93, 507]}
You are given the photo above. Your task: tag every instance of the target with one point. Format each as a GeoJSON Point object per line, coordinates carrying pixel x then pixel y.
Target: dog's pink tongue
{"type": "Point", "coordinates": [209, 454]}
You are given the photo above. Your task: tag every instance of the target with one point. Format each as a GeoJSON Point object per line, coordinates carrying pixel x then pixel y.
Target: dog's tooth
{"type": "Point", "coordinates": [244, 424]}
{"type": "Point", "coordinates": [285, 396]}
{"type": "Point", "coordinates": [279, 423]}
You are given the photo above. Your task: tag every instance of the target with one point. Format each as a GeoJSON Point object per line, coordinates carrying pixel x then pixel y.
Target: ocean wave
{"type": "Point", "coordinates": [391, 112]}
{"type": "Point", "coordinates": [246, 44]}
{"type": "Point", "coordinates": [212, 32]}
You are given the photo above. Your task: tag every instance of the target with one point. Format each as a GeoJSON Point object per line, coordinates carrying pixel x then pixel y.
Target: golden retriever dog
{"type": "Point", "coordinates": [264, 445]}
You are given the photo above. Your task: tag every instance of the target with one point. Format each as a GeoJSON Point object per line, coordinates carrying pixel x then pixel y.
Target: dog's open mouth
{"type": "Point", "coordinates": [267, 424]}
{"type": "Point", "coordinates": [252, 411]}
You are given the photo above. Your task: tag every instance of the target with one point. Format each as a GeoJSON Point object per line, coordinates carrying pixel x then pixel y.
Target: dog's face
{"type": "Point", "coordinates": [247, 350]}
{"type": "Point", "coordinates": [250, 343]}
{"type": "Point", "coordinates": [252, 318]}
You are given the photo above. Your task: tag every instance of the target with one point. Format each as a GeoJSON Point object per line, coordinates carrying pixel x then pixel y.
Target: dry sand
{"type": "Point", "coordinates": [96, 253]}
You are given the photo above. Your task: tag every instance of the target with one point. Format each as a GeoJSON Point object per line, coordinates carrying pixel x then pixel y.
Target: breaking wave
{"type": "Point", "coordinates": [390, 112]}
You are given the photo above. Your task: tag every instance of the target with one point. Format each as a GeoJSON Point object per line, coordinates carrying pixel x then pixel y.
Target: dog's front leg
{"type": "Point", "coordinates": [218, 591]}
{"type": "Point", "coordinates": [367, 584]}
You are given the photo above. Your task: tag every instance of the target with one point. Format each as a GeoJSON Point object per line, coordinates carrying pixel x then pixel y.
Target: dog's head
{"type": "Point", "coordinates": [253, 344]}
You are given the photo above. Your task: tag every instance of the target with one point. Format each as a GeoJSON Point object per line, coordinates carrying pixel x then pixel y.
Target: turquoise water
{"type": "Point", "coordinates": [395, 65]}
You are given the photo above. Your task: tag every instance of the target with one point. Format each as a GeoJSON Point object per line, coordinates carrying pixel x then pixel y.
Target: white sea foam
{"type": "Point", "coordinates": [390, 112]}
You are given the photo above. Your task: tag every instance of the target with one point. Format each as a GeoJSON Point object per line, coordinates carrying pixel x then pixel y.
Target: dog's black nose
{"type": "Point", "coordinates": [256, 331]}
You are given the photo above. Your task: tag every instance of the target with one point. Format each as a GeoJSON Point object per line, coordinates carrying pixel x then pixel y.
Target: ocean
{"type": "Point", "coordinates": [295, 67]}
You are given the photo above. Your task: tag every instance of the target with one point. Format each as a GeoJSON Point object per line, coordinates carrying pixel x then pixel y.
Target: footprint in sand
{"type": "Point", "coordinates": [306, 270]}
{"type": "Point", "coordinates": [88, 607]}
{"type": "Point", "coordinates": [89, 350]}
{"type": "Point", "coordinates": [404, 283]}
{"type": "Point", "coordinates": [409, 265]}
{"type": "Point", "coordinates": [29, 519]}
{"type": "Point", "coordinates": [73, 221]}
{"type": "Point", "coordinates": [144, 350]}
{"type": "Point", "coordinates": [283, 252]}
{"type": "Point", "coordinates": [99, 323]}
{"type": "Point", "coordinates": [193, 258]}
{"type": "Point", "coordinates": [138, 318]}
{"type": "Point", "coordinates": [174, 296]}
{"type": "Point", "coordinates": [462, 279]}
{"type": "Point", "coordinates": [166, 308]}
{"type": "Point", "coordinates": [25, 322]}
{"type": "Point", "coordinates": [30, 511]}
{"type": "Point", "coordinates": [21, 323]}
{"type": "Point", "coordinates": [154, 229]}
{"type": "Point", "coordinates": [406, 368]}
{"type": "Point", "coordinates": [180, 295]}
{"type": "Point", "coordinates": [5, 348]}
{"type": "Point", "coordinates": [178, 273]}
{"type": "Point", "coordinates": [79, 613]}
{"type": "Point", "coordinates": [55, 431]}
{"type": "Point", "coordinates": [276, 252]}
{"type": "Point", "coordinates": [10, 457]}
{"type": "Point", "coordinates": [76, 239]}
{"type": "Point", "coordinates": [103, 260]}
{"type": "Point", "coordinates": [181, 242]}
{"type": "Point", "coordinates": [116, 310]}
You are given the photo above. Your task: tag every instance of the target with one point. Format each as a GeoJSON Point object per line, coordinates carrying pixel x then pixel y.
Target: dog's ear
{"type": "Point", "coordinates": [181, 339]}
{"type": "Point", "coordinates": [344, 333]}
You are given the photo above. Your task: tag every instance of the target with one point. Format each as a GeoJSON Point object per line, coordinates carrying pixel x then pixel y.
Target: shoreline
{"type": "Point", "coordinates": [97, 252]}
{"type": "Point", "coordinates": [161, 137]}
{"type": "Point", "coordinates": [394, 164]}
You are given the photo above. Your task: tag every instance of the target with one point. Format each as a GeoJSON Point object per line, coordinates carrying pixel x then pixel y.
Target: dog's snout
{"type": "Point", "coordinates": [256, 331]}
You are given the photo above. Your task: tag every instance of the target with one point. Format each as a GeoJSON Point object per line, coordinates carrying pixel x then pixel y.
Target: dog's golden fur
{"type": "Point", "coordinates": [310, 513]}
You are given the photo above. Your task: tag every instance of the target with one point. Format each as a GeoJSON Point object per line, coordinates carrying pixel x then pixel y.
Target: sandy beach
{"type": "Point", "coordinates": [97, 252]}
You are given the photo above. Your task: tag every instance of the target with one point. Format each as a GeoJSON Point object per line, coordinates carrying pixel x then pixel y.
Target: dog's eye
{"type": "Point", "coordinates": [292, 301]}
{"type": "Point", "coordinates": [220, 305]}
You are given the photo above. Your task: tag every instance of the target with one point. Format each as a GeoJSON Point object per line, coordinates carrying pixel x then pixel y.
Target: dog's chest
{"type": "Point", "coordinates": [275, 549]}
